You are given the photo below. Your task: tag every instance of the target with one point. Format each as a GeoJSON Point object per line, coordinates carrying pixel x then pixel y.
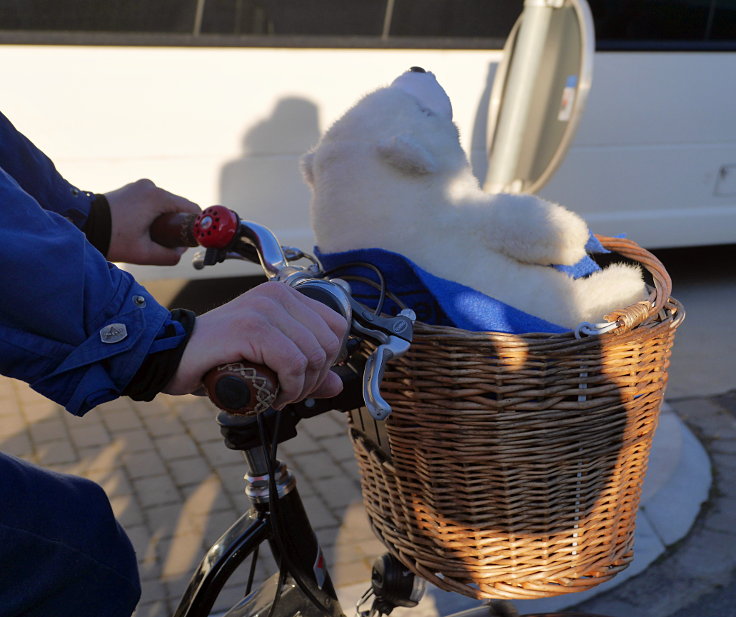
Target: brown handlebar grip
{"type": "Point", "coordinates": [241, 387]}
{"type": "Point", "coordinates": [173, 230]}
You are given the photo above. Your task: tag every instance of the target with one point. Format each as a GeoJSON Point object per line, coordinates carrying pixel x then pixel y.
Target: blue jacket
{"type": "Point", "coordinates": [59, 293]}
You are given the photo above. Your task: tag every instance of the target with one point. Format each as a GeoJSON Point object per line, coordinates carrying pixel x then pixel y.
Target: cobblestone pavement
{"type": "Point", "coordinates": [176, 488]}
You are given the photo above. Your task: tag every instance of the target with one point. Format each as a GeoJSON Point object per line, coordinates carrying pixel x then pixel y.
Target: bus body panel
{"type": "Point", "coordinates": [654, 156]}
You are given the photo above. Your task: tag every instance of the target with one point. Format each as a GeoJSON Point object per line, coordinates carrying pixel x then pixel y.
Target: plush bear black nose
{"type": "Point", "coordinates": [417, 69]}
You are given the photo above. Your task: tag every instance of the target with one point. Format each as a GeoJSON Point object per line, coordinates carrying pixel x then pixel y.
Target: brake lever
{"type": "Point", "coordinates": [394, 335]}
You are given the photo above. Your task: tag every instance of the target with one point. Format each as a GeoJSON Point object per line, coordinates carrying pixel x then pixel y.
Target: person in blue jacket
{"type": "Point", "coordinates": [81, 332]}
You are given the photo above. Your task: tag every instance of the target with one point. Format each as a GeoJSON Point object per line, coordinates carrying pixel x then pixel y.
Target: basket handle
{"type": "Point", "coordinates": [633, 315]}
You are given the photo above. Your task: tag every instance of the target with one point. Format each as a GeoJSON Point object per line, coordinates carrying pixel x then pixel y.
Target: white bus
{"type": "Point", "coordinates": [218, 99]}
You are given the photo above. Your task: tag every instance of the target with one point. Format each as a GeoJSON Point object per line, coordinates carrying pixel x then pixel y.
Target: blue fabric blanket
{"type": "Point", "coordinates": [439, 301]}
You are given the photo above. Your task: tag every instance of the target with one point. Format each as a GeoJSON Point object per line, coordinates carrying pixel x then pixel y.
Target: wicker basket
{"type": "Point", "coordinates": [511, 466]}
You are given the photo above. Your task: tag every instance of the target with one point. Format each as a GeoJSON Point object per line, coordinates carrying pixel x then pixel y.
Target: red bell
{"type": "Point", "coordinates": [216, 227]}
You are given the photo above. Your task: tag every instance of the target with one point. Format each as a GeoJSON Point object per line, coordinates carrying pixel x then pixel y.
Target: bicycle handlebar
{"type": "Point", "coordinates": [174, 230]}
{"type": "Point", "coordinates": [246, 388]}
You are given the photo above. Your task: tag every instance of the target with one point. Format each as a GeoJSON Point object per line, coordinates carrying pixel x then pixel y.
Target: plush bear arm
{"type": "Point", "coordinates": [532, 230]}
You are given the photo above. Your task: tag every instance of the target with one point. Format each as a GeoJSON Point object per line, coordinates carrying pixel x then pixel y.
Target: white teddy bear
{"type": "Point", "coordinates": [391, 174]}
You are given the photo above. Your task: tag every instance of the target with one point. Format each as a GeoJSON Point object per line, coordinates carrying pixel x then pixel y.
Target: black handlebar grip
{"type": "Point", "coordinates": [173, 230]}
{"type": "Point", "coordinates": [242, 388]}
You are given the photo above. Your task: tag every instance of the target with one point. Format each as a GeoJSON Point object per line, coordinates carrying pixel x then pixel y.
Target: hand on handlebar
{"type": "Point", "coordinates": [274, 325]}
{"type": "Point", "coordinates": [133, 208]}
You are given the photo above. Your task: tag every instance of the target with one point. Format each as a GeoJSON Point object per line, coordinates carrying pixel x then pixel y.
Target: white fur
{"type": "Point", "coordinates": [391, 174]}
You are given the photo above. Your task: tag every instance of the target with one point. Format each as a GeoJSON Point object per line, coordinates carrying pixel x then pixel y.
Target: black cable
{"type": "Point", "coordinates": [285, 561]}
{"type": "Point", "coordinates": [391, 296]}
{"type": "Point", "coordinates": [251, 572]}
{"type": "Point", "coordinates": [272, 491]}
{"type": "Point", "coordinates": [381, 286]}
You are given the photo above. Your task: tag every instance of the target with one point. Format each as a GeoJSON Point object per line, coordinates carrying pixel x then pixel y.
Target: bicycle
{"type": "Point", "coordinates": [244, 392]}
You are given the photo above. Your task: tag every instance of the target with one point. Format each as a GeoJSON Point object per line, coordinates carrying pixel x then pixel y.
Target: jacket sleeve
{"type": "Point", "coordinates": [72, 325]}
{"type": "Point", "coordinates": [37, 176]}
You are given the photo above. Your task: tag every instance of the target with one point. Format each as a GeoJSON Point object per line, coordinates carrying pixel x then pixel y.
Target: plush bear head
{"type": "Point", "coordinates": [395, 153]}
{"type": "Point", "coordinates": [391, 174]}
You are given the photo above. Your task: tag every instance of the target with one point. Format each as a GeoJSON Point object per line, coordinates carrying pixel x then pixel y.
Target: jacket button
{"type": "Point", "coordinates": [113, 333]}
{"type": "Point", "coordinates": [139, 301]}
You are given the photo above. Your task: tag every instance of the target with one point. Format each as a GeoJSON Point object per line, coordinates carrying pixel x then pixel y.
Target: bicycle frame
{"type": "Point", "coordinates": [274, 498]}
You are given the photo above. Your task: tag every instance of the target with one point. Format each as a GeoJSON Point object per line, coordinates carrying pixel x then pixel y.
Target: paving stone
{"type": "Point", "coordinates": [351, 573]}
{"type": "Point", "coordinates": [158, 407]}
{"type": "Point", "coordinates": [173, 447]}
{"type": "Point", "coordinates": [37, 410]}
{"type": "Point", "coordinates": [156, 491]}
{"type": "Point", "coordinates": [207, 496]}
{"type": "Point", "coordinates": [168, 520]}
{"type": "Point", "coordinates": [189, 471]}
{"type": "Point", "coordinates": [330, 424]}
{"type": "Point", "coordinates": [114, 481]}
{"type": "Point", "coordinates": [101, 459]}
{"type": "Point", "coordinates": [121, 419]}
{"type": "Point", "coordinates": [7, 390]}
{"type": "Point", "coordinates": [48, 429]}
{"type": "Point", "coordinates": [370, 549]}
{"type": "Point", "coordinates": [12, 422]}
{"type": "Point", "coordinates": [184, 552]}
{"type": "Point", "coordinates": [301, 444]}
{"type": "Point", "coordinates": [90, 435]}
{"type": "Point", "coordinates": [163, 425]}
{"type": "Point", "coordinates": [304, 485]}
{"type": "Point", "coordinates": [215, 524]}
{"type": "Point", "coordinates": [152, 591]}
{"type": "Point", "coordinates": [339, 448]}
{"type": "Point", "coordinates": [204, 430]}
{"type": "Point", "coordinates": [55, 453]}
{"type": "Point", "coordinates": [156, 608]}
{"type": "Point", "coordinates": [142, 542]}
{"type": "Point", "coordinates": [192, 407]}
{"type": "Point", "coordinates": [722, 515]}
{"type": "Point", "coordinates": [339, 491]}
{"type": "Point", "coordinates": [28, 396]}
{"type": "Point", "coordinates": [356, 520]}
{"type": "Point", "coordinates": [350, 469]}
{"type": "Point", "coordinates": [134, 440]}
{"type": "Point", "coordinates": [18, 445]}
{"type": "Point", "coordinates": [319, 515]}
{"type": "Point", "coordinates": [316, 465]}
{"type": "Point", "coordinates": [127, 510]}
{"type": "Point", "coordinates": [707, 416]}
{"type": "Point", "coordinates": [218, 455]}
{"type": "Point", "coordinates": [144, 464]}
{"type": "Point", "coordinates": [727, 400]}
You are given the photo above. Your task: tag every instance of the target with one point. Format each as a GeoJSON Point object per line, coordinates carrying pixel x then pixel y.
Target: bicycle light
{"type": "Point", "coordinates": [394, 585]}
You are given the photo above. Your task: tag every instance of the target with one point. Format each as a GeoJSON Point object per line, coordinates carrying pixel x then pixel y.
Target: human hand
{"type": "Point", "coordinates": [133, 208]}
{"type": "Point", "coordinates": [296, 337]}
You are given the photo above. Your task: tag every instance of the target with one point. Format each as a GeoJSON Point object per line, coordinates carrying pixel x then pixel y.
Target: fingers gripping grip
{"type": "Point", "coordinates": [173, 230]}
{"type": "Point", "coordinates": [249, 389]}
{"type": "Point", "coordinates": [241, 387]}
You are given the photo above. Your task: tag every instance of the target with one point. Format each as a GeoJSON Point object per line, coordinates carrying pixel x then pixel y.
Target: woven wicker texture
{"type": "Point", "coordinates": [516, 461]}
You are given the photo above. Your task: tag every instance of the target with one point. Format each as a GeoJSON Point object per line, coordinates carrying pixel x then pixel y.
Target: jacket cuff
{"type": "Point", "coordinates": [98, 227]}
{"type": "Point", "coordinates": [163, 357]}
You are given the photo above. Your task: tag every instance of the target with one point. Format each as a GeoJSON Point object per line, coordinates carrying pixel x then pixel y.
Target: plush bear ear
{"type": "Point", "coordinates": [307, 166]}
{"type": "Point", "coordinates": [408, 155]}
